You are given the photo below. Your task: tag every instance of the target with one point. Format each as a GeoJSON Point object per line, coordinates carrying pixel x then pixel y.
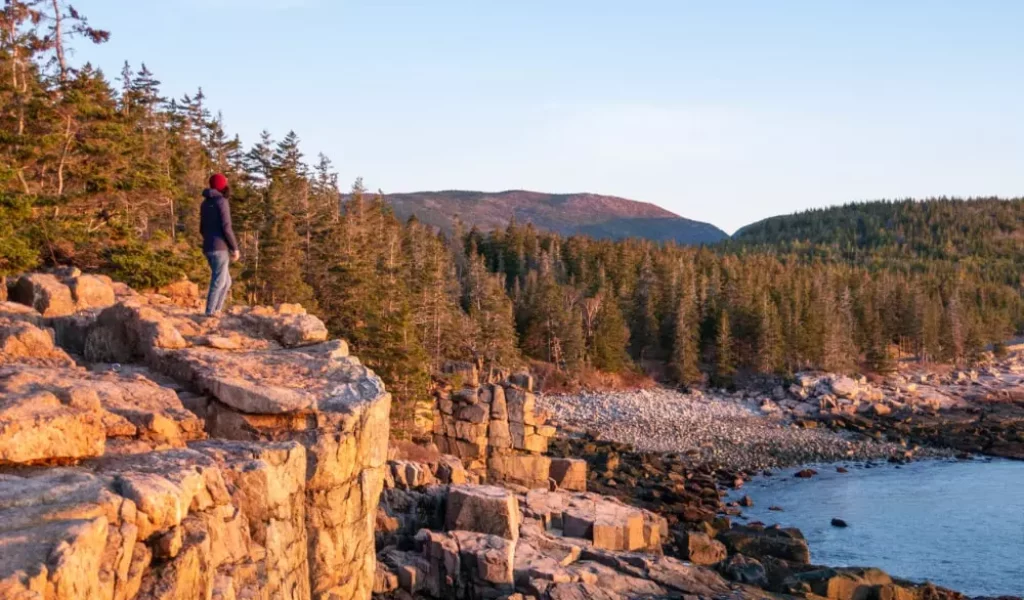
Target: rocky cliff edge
{"type": "Point", "coordinates": [148, 451]}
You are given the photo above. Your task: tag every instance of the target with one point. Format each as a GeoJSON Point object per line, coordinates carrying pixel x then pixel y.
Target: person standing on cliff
{"type": "Point", "coordinates": [219, 244]}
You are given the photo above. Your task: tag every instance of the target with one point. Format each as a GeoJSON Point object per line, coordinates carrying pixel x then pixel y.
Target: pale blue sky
{"type": "Point", "coordinates": [726, 112]}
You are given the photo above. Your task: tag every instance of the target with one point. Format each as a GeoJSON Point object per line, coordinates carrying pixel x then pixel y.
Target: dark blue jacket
{"type": "Point", "coordinates": [215, 223]}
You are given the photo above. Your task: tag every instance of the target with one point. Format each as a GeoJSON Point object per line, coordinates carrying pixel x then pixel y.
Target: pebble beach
{"type": "Point", "coordinates": [712, 430]}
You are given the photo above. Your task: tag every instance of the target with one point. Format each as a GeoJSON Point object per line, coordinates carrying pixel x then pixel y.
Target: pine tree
{"type": "Point", "coordinates": [877, 354]}
{"type": "Point", "coordinates": [769, 338]}
{"type": "Point", "coordinates": [725, 365]}
{"type": "Point", "coordinates": [685, 363]}
{"type": "Point", "coordinates": [434, 290]}
{"type": "Point", "coordinates": [64, 24]}
{"type": "Point", "coordinates": [644, 328]}
{"type": "Point", "coordinates": [610, 337]}
{"type": "Point", "coordinates": [952, 337]}
{"type": "Point", "coordinates": [837, 346]}
{"type": "Point", "coordinates": [553, 327]}
{"type": "Point", "coordinates": [492, 315]}
{"type": "Point", "coordinates": [281, 251]}
{"type": "Point", "coordinates": [930, 333]}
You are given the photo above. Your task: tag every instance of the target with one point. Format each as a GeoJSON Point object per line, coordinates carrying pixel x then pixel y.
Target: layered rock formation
{"type": "Point", "coordinates": [489, 542]}
{"type": "Point", "coordinates": [472, 541]}
{"type": "Point", "coordinates": [499, 432]}
{"type": "Point", "coordinates": [147, 451]}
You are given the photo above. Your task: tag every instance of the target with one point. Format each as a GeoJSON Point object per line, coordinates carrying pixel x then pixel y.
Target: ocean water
{"type": "Point", "coordinates": [958, 524]}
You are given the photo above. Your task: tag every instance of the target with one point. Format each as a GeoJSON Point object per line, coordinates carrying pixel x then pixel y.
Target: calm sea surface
{"type": "Point", "coordinates": [957, 524]}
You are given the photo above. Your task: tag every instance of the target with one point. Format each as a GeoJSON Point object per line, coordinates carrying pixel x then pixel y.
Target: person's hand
{"type": "Point", "coordinates": [236, 256]}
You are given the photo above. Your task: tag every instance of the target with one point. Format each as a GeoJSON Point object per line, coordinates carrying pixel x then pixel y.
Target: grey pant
{"type": "Point", "coordinates": [220, 280]}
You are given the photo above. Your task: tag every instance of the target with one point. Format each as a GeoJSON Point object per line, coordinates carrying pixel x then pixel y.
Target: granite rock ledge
{"type": "Point", "coordinates": [150, 452]}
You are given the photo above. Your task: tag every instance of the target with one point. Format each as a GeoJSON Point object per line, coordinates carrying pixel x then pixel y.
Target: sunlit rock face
{"type": "Point", "coordinates": [148, 451]}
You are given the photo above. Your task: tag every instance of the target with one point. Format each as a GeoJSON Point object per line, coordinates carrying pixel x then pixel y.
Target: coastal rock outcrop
{"type": "Point", "coordinates": [541, 544]}
{"type": "Point", "coordinates": [147, 451]}
{"type": "Point", "coordinates": [498, 430]}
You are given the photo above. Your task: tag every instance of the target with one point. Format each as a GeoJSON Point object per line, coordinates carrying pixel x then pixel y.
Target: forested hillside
{"type": "Point", "coordinates": [935, 228]}
{"type": "Point", "coordinates": [106, 174]}
{"type": "Point", "coordinates": [982, 234]}
{"type": "Point", "coordinates": [602, 217]}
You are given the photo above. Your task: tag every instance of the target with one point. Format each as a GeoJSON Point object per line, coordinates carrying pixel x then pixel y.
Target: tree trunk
{"type": "Point", "coordinates": [58, 41]}
{"type": "Point", "coordinates": [68, 139]}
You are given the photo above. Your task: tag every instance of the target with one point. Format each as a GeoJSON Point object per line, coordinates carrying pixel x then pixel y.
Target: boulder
{"type": "Point", "coordinates": [23, 343]}
{"type": "Point", "coordinates": [483, 509]}
{"type": "Point", "coordinates": [840, 584]}
{"type": "Point", "coordinates": [37, 426]}
{"type": "Point", "coordinates": [14, 311]}
{"type": "Point", "coordinates": [288, 324]}
{"type": "Point", "coordinates": [437, 569]}
{"type": "Point", "coordinates": [486, 558]}
{"type": "Point", "coordinates": [608, 524]}
{"type": "Point", "coordinates": [450, 470]}
{"type": "Point", "coordinates": [385, 580]}
{"type": "Point", "coordinates": [539, 549]}
{"type": "Point", "coordinates": [45, 293]}
{"type": "Point", "coordinates": [742, 569]}
{"type": "Point", "coordinates": [701, 549]}
{"type": "Point", "coordinates": [569, 473]}
{"type": "Point", "coordinates": [528, 470]}
{"type": "Point", "coordinates": [880, 409]}
{"type": "Point", "coordinates": [844, 387]}
{"type": "Point", "coordinates": [91, 291]}
{"type": "Point", "coordinates": [806, 380]}
{"type": "Point", "coordinates": [466, 396]}
{"type": "Point", "coordinates": [546, 506]}
{"type": "Point", "coordinates": [183, 293]}
{"type": "Point", "coordinates": [786, 544]}
{"type": "Point", "coordinates": [131, 330]}
{"type": "Point", "coordinates": [407, 474]}
{"type": "Point", "coordinates": [680, 577]}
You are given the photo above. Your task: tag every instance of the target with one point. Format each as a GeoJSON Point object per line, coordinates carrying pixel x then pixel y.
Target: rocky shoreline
{"type": "Point", "coordinates": [820, 418]}
{"type": "Point", "coordinates": [675, 453]}
{"type": "Point", "coordinates": [148, 453]}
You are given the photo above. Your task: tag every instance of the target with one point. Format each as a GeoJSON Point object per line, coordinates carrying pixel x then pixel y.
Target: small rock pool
{"type": "Point", "coordinates": [958, 524]}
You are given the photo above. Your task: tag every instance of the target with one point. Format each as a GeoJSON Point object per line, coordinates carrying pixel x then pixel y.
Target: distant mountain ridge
{"type": "Point", "coordinates": [595, 215]}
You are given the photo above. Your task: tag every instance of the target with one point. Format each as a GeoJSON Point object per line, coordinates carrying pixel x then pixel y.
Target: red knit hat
{"type": "Point", "coordinates": [219, 182]}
